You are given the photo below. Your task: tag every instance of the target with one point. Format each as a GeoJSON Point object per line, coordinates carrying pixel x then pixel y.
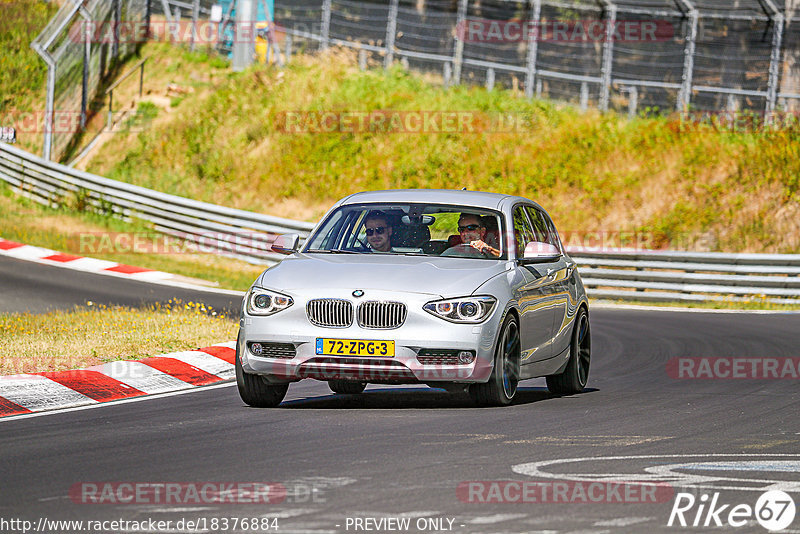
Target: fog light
{"type": "Point", "coordinates": [256, 349]}
{"type": "Point", "coordinates": [466, 356]}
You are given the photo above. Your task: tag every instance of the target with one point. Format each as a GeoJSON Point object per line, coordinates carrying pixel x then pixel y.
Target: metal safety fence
{"type": "Point", "coordinates": [612, 274]}
{"type": "Point", "coordinates": [629, 55]}
{"type": "Point", "coordinates": [77, 66]}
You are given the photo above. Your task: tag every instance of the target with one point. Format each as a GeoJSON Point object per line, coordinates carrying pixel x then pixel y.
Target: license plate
{"type": "Point", "coordinates": [354, 347]}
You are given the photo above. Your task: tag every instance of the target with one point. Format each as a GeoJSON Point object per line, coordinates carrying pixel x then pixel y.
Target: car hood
{"type": "Point", "coordinates": [445, 277]}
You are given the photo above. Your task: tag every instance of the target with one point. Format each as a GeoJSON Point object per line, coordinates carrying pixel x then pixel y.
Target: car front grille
{"type": "Point", "coordinates": [438, 357]}
{"type": "Point", "coordinates": [274, 350]}
{"type": "Point", "coordinates": [381, 315]}
{"type": "Point", "coordinates": [334, 313]}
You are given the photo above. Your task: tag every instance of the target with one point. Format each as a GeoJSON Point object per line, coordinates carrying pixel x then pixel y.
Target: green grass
{"type": "Point", "coordinates": [687, 186]}
{"type": "Point", "coordinates": [22, 71]}
{"type": "Point", "coordinates": [60, 340]}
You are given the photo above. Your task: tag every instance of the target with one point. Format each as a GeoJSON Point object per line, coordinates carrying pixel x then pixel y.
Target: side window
{"type": "Point", "coordinates": [553, 232]}
{"type": "Point", "coordinates": [523, 233]}
{"type": "Point", "coordinates": [540, 227]}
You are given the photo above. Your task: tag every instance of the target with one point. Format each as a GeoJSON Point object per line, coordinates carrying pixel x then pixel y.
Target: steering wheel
{"type": "Point", "coordinates": [464, 250]}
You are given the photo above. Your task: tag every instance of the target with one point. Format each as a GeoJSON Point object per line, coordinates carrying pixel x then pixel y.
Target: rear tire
{"type": "Point", "coordinates": [346, 387]}
{"type": "Point", "coordinates": [573, 379]}
{"type": "Point", "coordinates": [502, 384]}
{"type": "Point", "coordinates": [255, 390]}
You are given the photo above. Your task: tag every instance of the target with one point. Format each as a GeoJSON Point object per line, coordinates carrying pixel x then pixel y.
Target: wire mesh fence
{"type": "Point", "coordinates": [629, 55]}
{"type": "Point", "coordinates": [79, 59]}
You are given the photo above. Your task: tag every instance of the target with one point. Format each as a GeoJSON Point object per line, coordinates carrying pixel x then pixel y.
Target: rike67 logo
{"type": "Point", "coordinates": [774, 510]}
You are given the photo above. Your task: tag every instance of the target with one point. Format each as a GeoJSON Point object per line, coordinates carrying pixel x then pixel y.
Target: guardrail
{"type": "Point", "coordinates": [689, 276]}
{"type": "Point", "coordinates": [625, 275]}
{"type": "Point", "coordinates": [238, 233]}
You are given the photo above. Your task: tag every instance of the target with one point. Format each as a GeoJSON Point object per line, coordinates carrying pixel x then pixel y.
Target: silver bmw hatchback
{"type": "Point", "coordinates": [460, 290]}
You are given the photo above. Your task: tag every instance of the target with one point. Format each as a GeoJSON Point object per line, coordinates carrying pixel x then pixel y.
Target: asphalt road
{"type": "Point", "coordinates": [26, 286]}
{"type": "Point", "coordinates": [397, 453]}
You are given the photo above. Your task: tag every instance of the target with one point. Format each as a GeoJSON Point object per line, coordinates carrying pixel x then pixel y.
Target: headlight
{"type": "Point", "coordinates": [462, 310]}
{"type": "Point", "coordinates": [264, 302]}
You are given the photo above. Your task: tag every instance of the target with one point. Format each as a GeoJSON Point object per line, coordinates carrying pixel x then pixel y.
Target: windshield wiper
{"type": "Point", "coordinates": [342, 251]}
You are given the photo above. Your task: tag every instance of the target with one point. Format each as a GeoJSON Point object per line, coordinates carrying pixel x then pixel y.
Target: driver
{"type": "Point", "coordinates": [473, 232]}
{"type": "Point", "coordinates": [379, 233]}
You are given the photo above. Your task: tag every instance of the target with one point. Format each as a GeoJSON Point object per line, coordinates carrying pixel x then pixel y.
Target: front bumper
{"type": "Point", "coordinates": [420, 331]}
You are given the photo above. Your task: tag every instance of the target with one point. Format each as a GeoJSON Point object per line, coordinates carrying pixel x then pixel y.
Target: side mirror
{"type": "Point", "coordinates": [286, 244]}
{"type": "Point", "coordinates": [537, 251]}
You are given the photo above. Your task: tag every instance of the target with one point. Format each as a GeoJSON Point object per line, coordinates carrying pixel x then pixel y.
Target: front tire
{"type": "Point", "coordinates": [573, 379]}
{"type": "Point", "coordinates": [346, 387]}
{"type": "Point", "coordinates": [502, 384]}
{"type": "Point", "coordinates": [255, 390]}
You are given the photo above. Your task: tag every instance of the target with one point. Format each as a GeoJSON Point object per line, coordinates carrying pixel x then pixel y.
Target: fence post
{"type": "Point", "coordinates": [608, 53]}
{"type": "Point", "coordinates": [533, 47]}
{"type": "Point", "coordinates": [774, 63]}
{"type": "Point", "coordinates": [362, 59]}
{"type": "Point", "coordinates": [147, 19]}
{"type": "Point", "coordinates": [168, 12]}
{"type": "Point", "coordinates": [391, 33]}
{"type": "Point", "coordinates": [326, 24]}
{"type": "Point", "coordinates": [458, 55]}
{"type": "Point", "coordinates": [633, 101]}
{"type": "Point", "coordinates": [49, 111]}
{"type": "Point", "coordinates": [288, 46]}
{"type": "Point", "coordinates": [584, 96]}
{"type": "Point", "coordinates": [115, 46]}
{"type": "Point", "coordinates": [490, 79]}
{"type": "Point", "coordinates": [447, 74]}
{"type": "Point", "coordinates": [244, 38]}
{"type": "Point", "coordinates": [87, 59]}
{"type": "Point", "coordinates": [195, 15]}
{"type": "Point", "coordinates": [685, 94]}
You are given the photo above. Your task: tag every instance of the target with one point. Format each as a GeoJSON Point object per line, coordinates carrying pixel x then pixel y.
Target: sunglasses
{"type": "Point", "coordinates": [470, 227]}
{"type": "Point", "coordinates": [378, 230]}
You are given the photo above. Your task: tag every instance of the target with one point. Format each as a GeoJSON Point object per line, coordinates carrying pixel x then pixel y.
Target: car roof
{"type": "Point", "coordinates": [476, 199]}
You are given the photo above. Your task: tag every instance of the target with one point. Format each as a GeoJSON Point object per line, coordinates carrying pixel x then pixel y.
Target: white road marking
{"type": "Point", "coordinates": [291, 512]}
{"type": "Point", "coordinates": [623, 521]}
{"type": "Point", "coordinates": [591, 441]}
{"type": "Point", "coordinates": [664, 473]}
{"type": "Point", "coordinates": [496, 518]}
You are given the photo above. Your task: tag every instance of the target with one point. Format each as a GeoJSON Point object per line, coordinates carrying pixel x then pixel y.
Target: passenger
{"type": "Point", "coordinates": [473, 232]}
{"type": "Point", "coordinates": [379, 232]}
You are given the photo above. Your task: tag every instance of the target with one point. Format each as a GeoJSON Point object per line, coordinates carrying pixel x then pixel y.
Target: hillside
{"type": "Point", "coordinates": [685, 186]}
{"type": "Point", "coordinates": [22, 72]}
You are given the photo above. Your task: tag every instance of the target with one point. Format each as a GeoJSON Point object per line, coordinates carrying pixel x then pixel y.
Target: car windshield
{"type": "Point", "coordinates": [411, 229]}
